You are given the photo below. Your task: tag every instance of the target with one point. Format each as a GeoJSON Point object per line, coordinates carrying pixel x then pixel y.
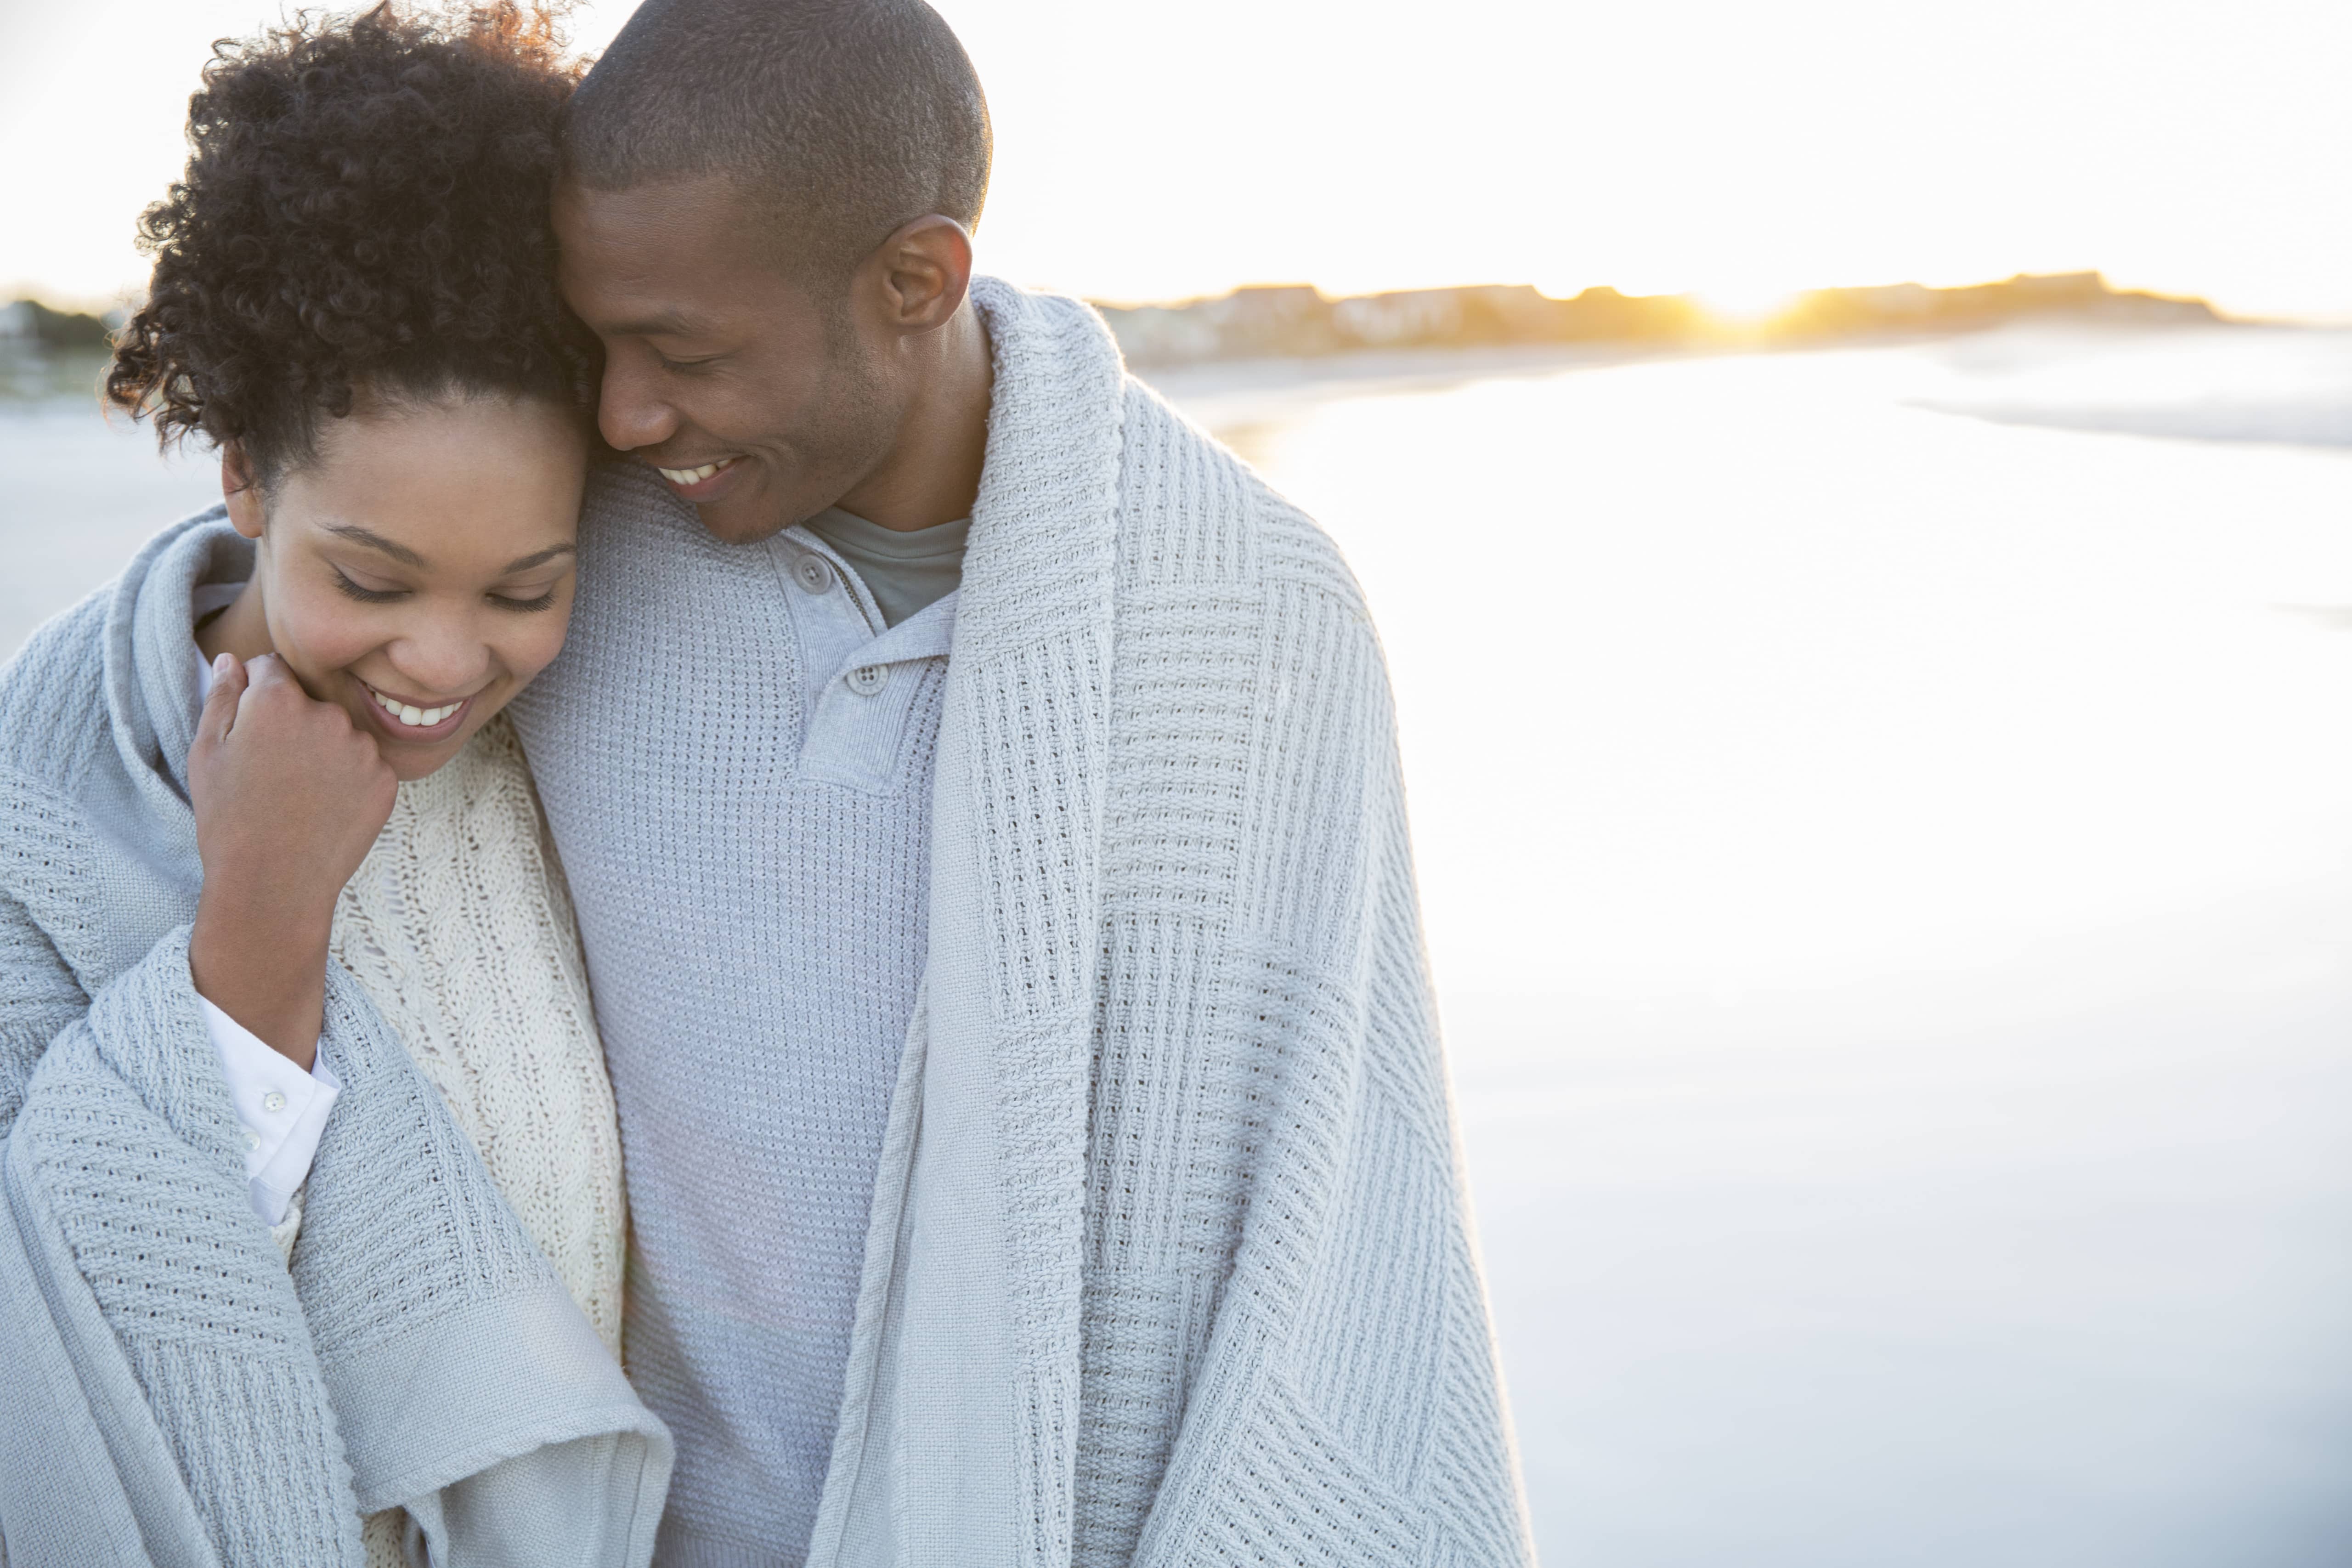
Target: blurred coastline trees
{"type": "Point", "coordinates": [1297, 320]}
{"type": "Point", "coordinates": [30, 322]}
{"type": "Point", "coordinates": [47, 354]}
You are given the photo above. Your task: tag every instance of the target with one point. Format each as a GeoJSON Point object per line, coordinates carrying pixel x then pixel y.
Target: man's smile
{"type": "Point", "coordinates": [701, 481]}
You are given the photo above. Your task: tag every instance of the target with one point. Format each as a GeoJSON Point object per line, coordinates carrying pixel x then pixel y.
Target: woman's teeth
{"type": "Point", "coordinates": [693, 475]}
{"type": "Point", "coordinates": [414, 718]}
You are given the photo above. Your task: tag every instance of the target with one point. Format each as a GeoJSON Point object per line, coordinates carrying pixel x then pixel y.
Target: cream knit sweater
{"type": "Point", "coordinates": [458, 928]}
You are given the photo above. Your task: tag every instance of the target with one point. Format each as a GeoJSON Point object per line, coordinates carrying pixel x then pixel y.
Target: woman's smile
{"type": "Point", "coordinates": [407, 721]}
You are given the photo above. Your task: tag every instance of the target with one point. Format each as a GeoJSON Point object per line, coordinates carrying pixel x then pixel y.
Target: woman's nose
{"type": "Point", "coordinates": [443, 660]}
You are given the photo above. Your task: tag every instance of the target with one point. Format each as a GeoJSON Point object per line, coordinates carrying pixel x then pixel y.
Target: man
{"type": "Point", "coordinates": [1037, 1143]}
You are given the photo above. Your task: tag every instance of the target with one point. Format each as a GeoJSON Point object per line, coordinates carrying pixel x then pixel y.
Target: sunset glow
{"type": "Point", "coordinates": [1152, 151]}
{"type": "Point", "coordinates": [1749, 304]}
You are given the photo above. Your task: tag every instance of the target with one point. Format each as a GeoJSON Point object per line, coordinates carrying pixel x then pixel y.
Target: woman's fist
{"type": "Point", "coordinates": [290, 794]}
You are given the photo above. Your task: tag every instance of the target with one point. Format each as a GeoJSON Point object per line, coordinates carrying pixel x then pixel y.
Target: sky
{"type": "Point", "coordinates": [1149, 150]}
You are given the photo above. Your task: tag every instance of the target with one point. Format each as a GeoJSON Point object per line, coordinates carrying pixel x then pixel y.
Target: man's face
{"type": "Point", "coordinates": [754, 398]}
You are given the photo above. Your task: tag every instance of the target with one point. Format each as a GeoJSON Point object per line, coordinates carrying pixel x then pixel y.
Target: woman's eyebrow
{"type": "Point", "coordinates": [538, 558]}
{"type": "Point", "coordinates": [376, 542]}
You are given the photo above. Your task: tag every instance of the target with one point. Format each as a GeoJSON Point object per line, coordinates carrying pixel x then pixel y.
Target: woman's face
{"type": "Point", "coordinates": [419, 572]}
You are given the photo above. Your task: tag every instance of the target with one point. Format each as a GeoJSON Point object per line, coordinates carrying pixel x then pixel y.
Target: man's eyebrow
{"type": "Point", "coordinates": [538, 558]}
{"type": "Point", "coordinates": [376, 542]}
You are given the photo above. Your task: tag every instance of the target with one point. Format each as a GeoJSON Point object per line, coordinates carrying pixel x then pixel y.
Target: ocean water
{"type": "Point", "coordinates": [1885, 822]}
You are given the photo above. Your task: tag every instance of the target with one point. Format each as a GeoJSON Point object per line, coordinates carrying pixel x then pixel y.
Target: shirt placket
{"type": "Point", "coordinates": [859, 683]}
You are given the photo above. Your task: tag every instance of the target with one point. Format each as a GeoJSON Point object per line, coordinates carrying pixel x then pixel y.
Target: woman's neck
{"type": "Point", "coordinates": [242, 629]}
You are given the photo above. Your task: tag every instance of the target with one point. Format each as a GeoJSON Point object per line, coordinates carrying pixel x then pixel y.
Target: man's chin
{"type": "Point", "coordinates": [745, 503]}
{"type": "Point", "coordinates": [742, 520]}
{"type": "Point", "coordinates": [740, 508]}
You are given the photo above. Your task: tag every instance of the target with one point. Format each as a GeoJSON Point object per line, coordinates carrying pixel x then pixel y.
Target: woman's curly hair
{"type": "Point", "coordinates": [365, 210]}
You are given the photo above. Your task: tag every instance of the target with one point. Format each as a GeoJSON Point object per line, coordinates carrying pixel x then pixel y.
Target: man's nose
{"type": "Point", "coordinates": [628, 412]}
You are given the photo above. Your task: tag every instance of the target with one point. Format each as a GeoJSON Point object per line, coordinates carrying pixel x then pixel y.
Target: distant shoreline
{"type": "Point", "coordinates": [1298, 321]}
{"type": "Point", "coordinates": [1259, 342]}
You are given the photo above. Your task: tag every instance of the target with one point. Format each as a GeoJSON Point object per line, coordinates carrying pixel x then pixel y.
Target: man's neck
{"type": "Point", "coordinates": [933, 474]}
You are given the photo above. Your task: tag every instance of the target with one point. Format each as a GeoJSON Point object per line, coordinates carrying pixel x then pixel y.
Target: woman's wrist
{"type": "Point", "coordinates": [265, 965]}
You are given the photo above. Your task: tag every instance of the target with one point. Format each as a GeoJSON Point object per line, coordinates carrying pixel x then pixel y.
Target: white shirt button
{"type": "Point", "coordinates": [811, 573]}
{"type": "Point", "coordinates": [252, 1139]}
{"type": "Point", "coordinates": [273, 1100]}
{"type": "Point", "coordinates": [869, 678]}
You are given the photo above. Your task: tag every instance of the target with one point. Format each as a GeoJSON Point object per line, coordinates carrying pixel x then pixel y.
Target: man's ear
{"type": "Point", "coordinates": [240, 491]}
{"type": "Point", "coordinates": [921, 272]}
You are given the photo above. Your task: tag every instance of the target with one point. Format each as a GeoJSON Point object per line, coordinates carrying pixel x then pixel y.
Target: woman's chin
{"type": "Point", "coordinates": [408, 762]}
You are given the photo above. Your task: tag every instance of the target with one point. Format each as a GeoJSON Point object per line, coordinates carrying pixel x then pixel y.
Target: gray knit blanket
{"type": "Point", "coordinates": [174, 1393]}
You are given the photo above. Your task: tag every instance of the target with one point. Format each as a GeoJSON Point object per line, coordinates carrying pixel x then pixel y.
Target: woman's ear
{"type": "Point", "coordinates": [241, 491]}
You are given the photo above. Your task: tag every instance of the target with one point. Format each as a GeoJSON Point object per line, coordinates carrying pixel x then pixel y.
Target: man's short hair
{"type": "Point", "coordinates": [841, 119]}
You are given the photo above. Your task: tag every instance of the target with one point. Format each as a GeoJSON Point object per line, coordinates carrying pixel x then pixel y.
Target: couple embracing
{"type": "Point", "coordinates": [721, 797]}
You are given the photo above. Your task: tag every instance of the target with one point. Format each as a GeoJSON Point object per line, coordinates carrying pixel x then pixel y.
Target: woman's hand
{"type": "Point", "coordinates": [289, 794]}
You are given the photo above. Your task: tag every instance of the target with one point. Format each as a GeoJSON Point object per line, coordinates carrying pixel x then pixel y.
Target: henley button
{"type": "Point", "coordinates": [252, 1139]}
{"type": "Point", "coordinates": [273, 1100]}
{"type": "Point", "coordinates": [813, 573]}
{"type": "Point", "coordinates": [869, 678]}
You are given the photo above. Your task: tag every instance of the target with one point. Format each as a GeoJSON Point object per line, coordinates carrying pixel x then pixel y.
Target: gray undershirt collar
{"type": "Point", "coordinates": [905, 570]}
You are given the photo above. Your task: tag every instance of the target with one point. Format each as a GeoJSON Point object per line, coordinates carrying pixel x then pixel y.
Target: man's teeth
{"type": "Point", "coordinates": [416, 718]}
{"type": "Point", "coordinates": [693, 475]}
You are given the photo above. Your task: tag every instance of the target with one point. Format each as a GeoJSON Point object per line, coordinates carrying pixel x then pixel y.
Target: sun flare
{"type": "Point", "coordinates": [1747, 304]}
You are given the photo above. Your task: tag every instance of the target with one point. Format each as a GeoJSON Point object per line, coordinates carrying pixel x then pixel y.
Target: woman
{"type": "Point", "coordinates": [268, 848]}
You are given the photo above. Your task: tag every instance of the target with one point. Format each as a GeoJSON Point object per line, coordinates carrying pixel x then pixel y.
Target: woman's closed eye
{"type": "Point", "coordinates": [522, 600]}
{"type": "Point", "coordinates": [366, 596]}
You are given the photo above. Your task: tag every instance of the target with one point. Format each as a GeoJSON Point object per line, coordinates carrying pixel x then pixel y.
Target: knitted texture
{"type": "Point", "coordinates": [133, 1153]}
{"type": "Point", "coordinates": [231, 1412]}
{"type": "Point", "coordinates": [1284, 1317]}
{"type": "Point", "coordinates": [458, 928]}
{"type": "Point", "coordinates": [756, 935]}
{"type": "Point", "coordinates": [1168, 1260]}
